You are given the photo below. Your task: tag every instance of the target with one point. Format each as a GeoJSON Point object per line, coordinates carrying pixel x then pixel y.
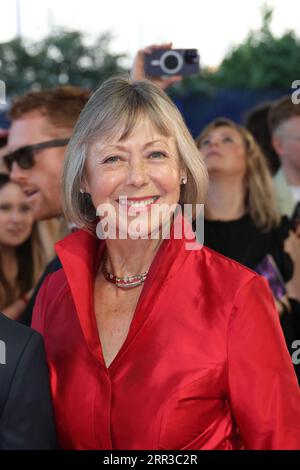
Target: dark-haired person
{"type": "Point", "coordinates": [257, 123]}
{"type": "Point", "coordinates": [21, 257]}
{"type": "Point", "coordinates": [41, 124]}
{"type": "Point", "coordinates": [151, 344]}
{"type": "Point", "coordinates": [26, 415]}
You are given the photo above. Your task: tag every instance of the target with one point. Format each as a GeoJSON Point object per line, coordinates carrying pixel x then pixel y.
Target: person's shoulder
{"type": "Point", "coordinates": [223, 280]}
{"type": "Point", "coordinates": [12, 330]}
{"type": "Point", "coordinates": [282, 231]}
{"type": "Point", "coordinates": [284, 225]}
{"type": "Point", "coordinates": [15, 340]}
{"type": "Point", "coordinates": [278, 233]}
{"type": "Point", "coordinates": [215, 263]}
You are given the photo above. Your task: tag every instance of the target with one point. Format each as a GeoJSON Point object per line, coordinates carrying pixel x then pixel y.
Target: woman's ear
{"type": "Point", "coordinates": [183, 177]}
{"type": "Point", "coordinates": [84, 187]}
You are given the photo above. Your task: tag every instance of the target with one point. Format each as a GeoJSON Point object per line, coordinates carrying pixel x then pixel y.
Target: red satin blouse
{"type": "Point", "coordinates": [204, 365]}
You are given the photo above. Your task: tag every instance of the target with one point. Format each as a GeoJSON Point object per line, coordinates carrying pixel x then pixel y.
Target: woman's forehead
{"type": "Point", "coordinates": [143, 129]}
{"type": "Point", "coordinates": [223, 130]}
{"type": "Point", "coordinates": [12, 189]}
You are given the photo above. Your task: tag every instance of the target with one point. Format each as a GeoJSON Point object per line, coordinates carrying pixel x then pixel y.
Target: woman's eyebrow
{"type": "Point", "coordinates": [226, 133]}
{"type": "Point", "coordinates": [114, 146]}
{"type": "Point", "coordinates": [157, 141]}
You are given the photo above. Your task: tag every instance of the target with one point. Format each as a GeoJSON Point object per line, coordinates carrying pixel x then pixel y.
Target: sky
{"type": "Point", "coordinates": [211, 26]}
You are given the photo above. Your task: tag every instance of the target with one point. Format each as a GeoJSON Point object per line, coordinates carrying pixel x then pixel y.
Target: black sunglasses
{"type": "Point", "coordinates": [24, 156]}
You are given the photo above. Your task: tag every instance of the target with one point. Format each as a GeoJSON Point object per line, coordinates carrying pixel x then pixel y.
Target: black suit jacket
{"type": "Point", "coordinates": [26, 416]}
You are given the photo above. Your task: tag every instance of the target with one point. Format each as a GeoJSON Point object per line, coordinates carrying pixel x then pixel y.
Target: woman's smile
{"type": "Point", "coordinates": [137, 202]}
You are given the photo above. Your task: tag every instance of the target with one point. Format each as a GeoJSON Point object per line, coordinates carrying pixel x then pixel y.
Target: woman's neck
{"type": "Point", "coordinates": [225, 200]}
{"type": "Point", "coordinates": [128, 257]}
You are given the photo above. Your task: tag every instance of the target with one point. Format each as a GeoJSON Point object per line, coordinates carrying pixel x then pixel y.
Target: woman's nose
{"type": "Point", "coordinates": [137, 174]}
{"type": "Point", "coordinates": [214, 143]}
{"type": "Point", "coordinates": [16, 216]}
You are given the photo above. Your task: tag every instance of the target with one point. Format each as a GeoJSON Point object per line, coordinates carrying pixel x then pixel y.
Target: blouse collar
{"type": "Point", "coordinates": [80, 254]}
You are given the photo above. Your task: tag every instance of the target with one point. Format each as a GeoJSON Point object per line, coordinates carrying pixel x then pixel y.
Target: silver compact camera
{"type": "Point", "coordinates": [168, 62]}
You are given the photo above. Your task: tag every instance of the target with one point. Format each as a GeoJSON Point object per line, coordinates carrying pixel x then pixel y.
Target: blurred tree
{"type": "Point", "coordinates": [61, 57]}
{"type": "Point", "coordinates": [262, 60]}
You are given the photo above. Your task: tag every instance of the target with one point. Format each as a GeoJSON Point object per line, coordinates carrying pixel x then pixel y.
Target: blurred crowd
{"type": "Point", "coordinates": [252, 212]}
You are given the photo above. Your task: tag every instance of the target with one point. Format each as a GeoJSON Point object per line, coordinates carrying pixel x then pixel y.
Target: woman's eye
{"type": "Point", "coordinates": [5, 207]}
{"type": "Point", "coordinates": [25, 209]}
{"type": "Point", "coordinates": [227, 139]}
{"type": "Point", "coordinates": [204, 143]}
{"type": "Point", "coordinates": [157, 155]}
{"type": "Point", "coordinates": [112, 159]}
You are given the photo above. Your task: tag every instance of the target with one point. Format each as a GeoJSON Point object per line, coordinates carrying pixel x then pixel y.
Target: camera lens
{"type": "Point", "coordinates": [171, 62]}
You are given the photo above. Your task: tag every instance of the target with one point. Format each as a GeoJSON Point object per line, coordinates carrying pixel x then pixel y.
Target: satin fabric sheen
{"type": "Point", "coordinates": [204, 365]}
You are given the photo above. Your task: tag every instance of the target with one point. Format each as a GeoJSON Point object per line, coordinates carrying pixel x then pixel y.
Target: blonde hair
{"type": "Point", "coordinates": [259, 195]}
{"type": "Point", "coordinates": [113, 110]}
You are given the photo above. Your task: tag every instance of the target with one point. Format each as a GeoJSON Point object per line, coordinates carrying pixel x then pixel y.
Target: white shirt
{"type": "Point", "coordinates": [295, 190]}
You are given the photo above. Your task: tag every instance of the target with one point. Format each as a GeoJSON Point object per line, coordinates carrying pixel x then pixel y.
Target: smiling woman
{"type": "Point", "coordinates": [139, 175]}
{"type": "Point", "coordinates": [103, 144]}
{"type": "Point", "coordinates": [131, 322]}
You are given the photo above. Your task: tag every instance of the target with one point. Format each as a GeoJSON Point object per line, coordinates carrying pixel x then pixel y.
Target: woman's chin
{"type": "Point", "coordinates": [140, 231]}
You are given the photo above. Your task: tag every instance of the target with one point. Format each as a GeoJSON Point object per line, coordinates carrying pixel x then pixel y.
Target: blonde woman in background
{"type": "Point", "coordinates": [241, 219]}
